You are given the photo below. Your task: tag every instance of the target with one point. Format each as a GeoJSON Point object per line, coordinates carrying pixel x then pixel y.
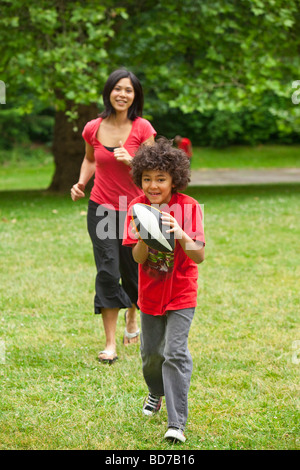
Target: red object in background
{"type": "Point", "coordinates": [186, 145]}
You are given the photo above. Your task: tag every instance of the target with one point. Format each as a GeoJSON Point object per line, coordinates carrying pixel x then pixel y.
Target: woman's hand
{"type": "Point", "coordinates": [77, 191]}
{"type": "Point", "coordinates": [122, 155]}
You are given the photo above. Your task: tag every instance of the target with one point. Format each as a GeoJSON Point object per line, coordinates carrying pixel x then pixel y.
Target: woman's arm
{"type": "Point", "coordinates": [149, 141]}
{"type": "Point", "coordinates": [86, 172]}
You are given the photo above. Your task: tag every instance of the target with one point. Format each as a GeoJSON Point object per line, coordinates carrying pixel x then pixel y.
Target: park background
{"type": "Point", "coordinates": [226, 75]}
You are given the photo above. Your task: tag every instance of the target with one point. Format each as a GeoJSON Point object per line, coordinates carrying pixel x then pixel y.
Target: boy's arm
{"type": "Point", "coordinates": [193, 249]}
{"type": "Point", "coordinates": [139, 249]}
{"type": "Point", "coordinates": [140, 252]}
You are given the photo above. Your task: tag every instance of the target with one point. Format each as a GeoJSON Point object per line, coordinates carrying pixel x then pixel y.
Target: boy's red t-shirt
{"type": "Point", "coordinates": [168, 281]}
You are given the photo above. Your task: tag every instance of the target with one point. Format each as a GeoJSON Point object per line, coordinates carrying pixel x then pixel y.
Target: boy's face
{"type": "Point", "coordinates": [157, 186]}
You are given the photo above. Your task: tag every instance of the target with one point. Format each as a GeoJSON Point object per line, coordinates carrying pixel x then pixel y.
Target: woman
{"type": "Point", "coordinates": [111, 141]}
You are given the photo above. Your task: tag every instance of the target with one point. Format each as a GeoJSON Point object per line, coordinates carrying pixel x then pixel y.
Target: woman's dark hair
{"type": "Point", "coordinates": [162, 156]}
{"type": "Point", "coordinates": [136, 109]}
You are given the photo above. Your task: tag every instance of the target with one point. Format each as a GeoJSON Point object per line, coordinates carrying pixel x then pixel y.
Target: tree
{"type": "Point", "coordinates": [200, 55]}
{"type": "Point", "coordinates": [235, 57]}
{"type": "Point", "coordinates": [196, 55]}
{"type": "Point", "coordinates": [57, 51]}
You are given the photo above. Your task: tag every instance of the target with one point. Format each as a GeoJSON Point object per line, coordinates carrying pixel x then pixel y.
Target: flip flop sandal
{"type": "Point", "coordinates": [129, 335]}
{"type": "Point", "coordinates": [107, 360]}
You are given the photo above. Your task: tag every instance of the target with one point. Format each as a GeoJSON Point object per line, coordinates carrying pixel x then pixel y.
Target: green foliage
{"type": "Point", "coordinates": [18, 128]}
{"type": "Point", "coordinates": [223, 128]}
{"type": "Point", "coordinates": [56, 49]}
{"type": "Point", "coordinates": [222, 56]}
{"type": "Point", "coordinates": [230, 64]}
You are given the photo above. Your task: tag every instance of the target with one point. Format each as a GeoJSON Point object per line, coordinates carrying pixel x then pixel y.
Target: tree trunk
{"type": "Point", "coordinates": [69, 148]}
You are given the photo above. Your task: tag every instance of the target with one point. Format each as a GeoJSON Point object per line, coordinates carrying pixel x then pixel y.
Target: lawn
{"type": "Point", "coordinates": [245, 338]}
{"type": "Point", "coordinates": [260, 156]}
{"type": "Point", "coordinates": [32, 167]}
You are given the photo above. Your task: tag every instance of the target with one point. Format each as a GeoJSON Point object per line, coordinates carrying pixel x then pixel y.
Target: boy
{"type": "Point", "coordinates": [167, 281]}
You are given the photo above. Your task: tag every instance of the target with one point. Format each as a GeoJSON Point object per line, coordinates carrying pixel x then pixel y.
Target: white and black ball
{"type": "Point", "coordinates": [148, 223]}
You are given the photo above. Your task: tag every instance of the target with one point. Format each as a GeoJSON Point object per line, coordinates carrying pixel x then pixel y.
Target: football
{"type": "Point", "coordinates": [148, 223]}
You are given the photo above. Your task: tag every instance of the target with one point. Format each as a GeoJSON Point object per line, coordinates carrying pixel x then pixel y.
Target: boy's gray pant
{"type": "Point", "coordinates": [167, 363]}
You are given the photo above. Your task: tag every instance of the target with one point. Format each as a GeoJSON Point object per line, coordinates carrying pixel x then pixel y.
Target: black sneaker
{"type": "Point", "coordinates": [152, 404]}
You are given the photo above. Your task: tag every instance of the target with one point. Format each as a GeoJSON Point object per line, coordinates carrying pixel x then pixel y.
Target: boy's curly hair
{"type": "Point", "coordinates": [164, 157]}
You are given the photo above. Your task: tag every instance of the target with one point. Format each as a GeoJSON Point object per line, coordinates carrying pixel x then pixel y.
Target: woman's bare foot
{"type": "Point", "coordinates": [131, 333]}
{"type": "Point", "coordinates": [107, 356]}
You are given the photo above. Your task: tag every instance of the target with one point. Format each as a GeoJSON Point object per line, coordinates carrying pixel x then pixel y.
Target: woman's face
{"type": "Point", "coordinates": [122, 95]}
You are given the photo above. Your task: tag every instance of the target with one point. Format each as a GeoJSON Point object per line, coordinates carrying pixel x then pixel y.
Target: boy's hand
{"type": "Point", "coordinates": [193, 249]}
{"type": "Point", "coordinates": [168, 219]}
{"type": "Point", "coordinates": [133, 231]}
{"type": "Point", "coordinates": [140, 249]}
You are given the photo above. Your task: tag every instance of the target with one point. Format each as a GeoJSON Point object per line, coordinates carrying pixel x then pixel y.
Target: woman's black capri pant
{"type": "Point", "coordinates": [117, 273]}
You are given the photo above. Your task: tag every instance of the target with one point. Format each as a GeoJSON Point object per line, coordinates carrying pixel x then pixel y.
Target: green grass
{"type": "Point", "coordinates": [261, 156]}
{"type": "Point", "coordinates": [26, 167]}
{"type": "Point", "coordinates": [32, 167]}
{"type": "Point", "coordinates": [244, 391]}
